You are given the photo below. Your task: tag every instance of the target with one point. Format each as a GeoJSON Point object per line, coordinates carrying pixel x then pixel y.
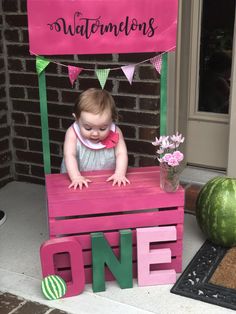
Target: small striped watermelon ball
{"type": "Point", "coordinates": [216, 211]}
{"type": "Point", "coordinates": [53, 287]}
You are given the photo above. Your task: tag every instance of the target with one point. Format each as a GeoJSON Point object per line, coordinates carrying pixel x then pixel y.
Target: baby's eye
{"type": "Point", "coordinates": [103, 129]}
{"type": "Point", "coordinates": [87, 128]}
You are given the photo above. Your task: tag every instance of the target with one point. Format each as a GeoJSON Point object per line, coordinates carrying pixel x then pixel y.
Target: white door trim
{"type": "Point", "coordinates": [186, 73]}
{"type": "Point", "coordinates": [231, 169]}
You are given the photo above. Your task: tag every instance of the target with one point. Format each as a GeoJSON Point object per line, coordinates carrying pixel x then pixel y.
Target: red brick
{"type": "Point", "coordinates": [28, 132]}
{"type": "Point", "coordinates": [3, 119]}
{"type": "Point", "coordinates": [18, 118]}
{"type": "Point", "coordinates": [4, 144]}
{"type": "Point", "coordinates": [4, 172]}
{"type": "Point", "coordinates": [143, 88]}
{"type": "Point", "coordinates": [149, 103]}
{"type": "Point", "coordinates": [135, 57]}
{"type": "Point", "coordinates": [59, 110]}
{"type": "Point", "coordinates": [15, 64]}
{"type": "Point", "coordinates": [25, 105]}
{"type": "Point", "coordinates": [12, 35]}
{"type": "Point", "coordinates": [20, 143]}
{"type": "Point", "coordinates": [29, 157]}
{"type": "Point", "coordinates": [147, 161]}
{"type": "Point", "coordinates": [69, 96]}
{"type": "Point", "coordinates": [23, 6]}
{"type": "Point", "coordinates": [37, 146]}
{"type": "Point", "coordinates": [5, 157]}
{"type": "Point", "coordinates": [30, 179]}
{"type": "Point", "coordinates": [37, 171]}
{"type": "Point", "coordinates": [136, 117]}
{"type": "Point", "coordinates": [148, 134]}
{"type": "Point", "coordinates": [2, 92]}
{"type": "Point", "coordinates": [4, 131]}
{"type": "Point", "coordinates": [66, 123]}
{"type": "Point", "coordinates": [128, 131]}
{"type": "Point", "coordinates": [2, 78]}
{"type": "Point", "coordinates": [22, 168]}
{"type": "Point", "coordinates": [24, 79]}
{"type": "Point", "coordinates": [125, 102]}
{"type": "Point", "coordinates": [148, 72]}
{"type": "Point", "coordinates": [140, 147]}
{"type": "Point", "coordinates": [9, 6]}
{"type": "Point", "coordinates": [17, 92]}
{"type": "Point", "coordinates": [56, 135]}
{"type": "Point", "coordinates": [2, 64]}
{"type": "Point", "coordinates": [16, 20]}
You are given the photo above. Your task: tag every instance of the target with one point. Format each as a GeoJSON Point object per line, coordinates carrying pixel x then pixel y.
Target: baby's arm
{"type": "Point", "coordinates": [71, 162]}
{"type": "Point", "coordinates": [119, 177]}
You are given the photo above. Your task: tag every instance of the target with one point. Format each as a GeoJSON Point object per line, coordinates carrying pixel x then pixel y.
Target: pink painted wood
{"type": "Point", "coordinates": [76, 282]}
{"type": "Point", "coordinates": [101, 197]}
{"type": "Point", "coordinates": [102, 207]}
{"type": "Point", "coordinates": [147, 256]}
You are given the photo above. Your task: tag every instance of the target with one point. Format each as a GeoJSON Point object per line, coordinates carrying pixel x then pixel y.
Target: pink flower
{"type": "Point", "coordinates": [178, 155]}
{"type": "Point", "coordinates": [177, 139]}
{"type": "Point", "coordinates": [159, 141]}
{"type": "Point", "coordinates": [166, 144]}
{"type": "Point", "coordinates": [166, 152]}
{"type": "Point", "coordinates": [173, 162]}
{"type": "Point", "coordinates": [160, 151]}
{"type": "Point", "coordinates": [167, 157]}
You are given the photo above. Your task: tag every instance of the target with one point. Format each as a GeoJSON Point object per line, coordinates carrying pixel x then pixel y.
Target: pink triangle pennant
{"type": "Point", "coordinates": [129, 72]}
{"type": "Point", "coordinates": [157, 62]}
{"type": "Point", "coordinates": [73, 73]}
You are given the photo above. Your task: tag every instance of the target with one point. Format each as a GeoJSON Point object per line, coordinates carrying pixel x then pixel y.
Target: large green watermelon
{"type": "Point", "coordinates": [216, 211]}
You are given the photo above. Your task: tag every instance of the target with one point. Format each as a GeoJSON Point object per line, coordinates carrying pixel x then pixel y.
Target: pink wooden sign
{"type": "Point", "coordinates": [59, 27]}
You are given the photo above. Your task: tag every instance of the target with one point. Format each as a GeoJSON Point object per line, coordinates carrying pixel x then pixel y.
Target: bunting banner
{"type": "Point", "coordinates": [73, 73]}
{"type": "Point", "coordinates": [59, 27]}
{"type": "Point", "coordinates": [102, 75]}
{"type": "Point", "coordinates": [129, 72]}
{"type": "Point", "coordinates": [41, 64]}
{"type": "Point", "coordinates": [157, 63]}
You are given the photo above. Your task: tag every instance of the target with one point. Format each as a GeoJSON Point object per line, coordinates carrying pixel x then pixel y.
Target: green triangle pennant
{"type": "Point", "coordinates": [41, 64]}
{"type": "Point", "coordinates": [102, 75]}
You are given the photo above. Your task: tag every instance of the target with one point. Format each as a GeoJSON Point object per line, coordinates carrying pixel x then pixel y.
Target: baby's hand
{"type": "Point", "coordinates": [79, 182]}
{"type": "Point", "coordinates": [118, 179]}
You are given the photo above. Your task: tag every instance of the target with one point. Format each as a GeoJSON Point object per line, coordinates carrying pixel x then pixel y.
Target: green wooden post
{"type": "Point", "coordinates": [44, 122]}
{"type": "Point", "coordinates": [163, 96]}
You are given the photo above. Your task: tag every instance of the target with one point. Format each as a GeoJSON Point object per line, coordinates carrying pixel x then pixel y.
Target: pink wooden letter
{"type": "Point", "coordinates": [72, 246]}
{"type": "Point", "coordinates": [146, 257]}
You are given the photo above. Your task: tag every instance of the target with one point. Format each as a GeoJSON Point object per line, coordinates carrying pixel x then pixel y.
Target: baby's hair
{"type": "Point", "coordinates": [95, 101]}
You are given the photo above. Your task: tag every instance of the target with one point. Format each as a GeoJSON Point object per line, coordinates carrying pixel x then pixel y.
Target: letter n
{"type": "Point", "coordinates": [103, 254]}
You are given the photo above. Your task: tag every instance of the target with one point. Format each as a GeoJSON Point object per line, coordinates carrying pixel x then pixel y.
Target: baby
{"type": "Point", "coordinates": [94, 142]}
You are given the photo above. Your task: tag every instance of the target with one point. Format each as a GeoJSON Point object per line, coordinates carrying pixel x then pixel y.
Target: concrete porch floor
{"type": "Point", "coordinates": [20, 272]}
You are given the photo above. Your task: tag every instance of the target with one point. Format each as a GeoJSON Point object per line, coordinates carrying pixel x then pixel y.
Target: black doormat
{"type": "Point", "coordinates": [194, 281]}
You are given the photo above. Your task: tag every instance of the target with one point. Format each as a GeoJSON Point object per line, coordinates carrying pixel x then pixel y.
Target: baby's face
{"type": "Point", "coordinates": [95, 127]}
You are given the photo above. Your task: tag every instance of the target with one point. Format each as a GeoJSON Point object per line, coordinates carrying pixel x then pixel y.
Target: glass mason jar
{"type": "Point", "coordinates": [169, 178]}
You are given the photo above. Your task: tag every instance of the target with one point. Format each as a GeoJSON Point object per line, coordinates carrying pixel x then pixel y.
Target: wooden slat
{"type": "Point", "coordinates": [176, 264]}
{"type": "Point", "coordinates": [101, 196]}
{"type": "Point", "coordinates": [63, 260]}
{"type": "Point", "coordinates": [113, 238]}
{"type": "Point", "coordinates": [115, 222]}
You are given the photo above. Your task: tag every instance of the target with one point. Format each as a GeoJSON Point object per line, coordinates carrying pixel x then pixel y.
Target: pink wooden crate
{"type": "Point", "coordinates": [106, 208]}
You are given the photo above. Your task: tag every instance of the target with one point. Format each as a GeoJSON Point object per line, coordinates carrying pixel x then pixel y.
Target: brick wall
{"type": "Point", "coordinates": [5, 147]}
{"type": "Point", "coordinates": [138, 104]}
